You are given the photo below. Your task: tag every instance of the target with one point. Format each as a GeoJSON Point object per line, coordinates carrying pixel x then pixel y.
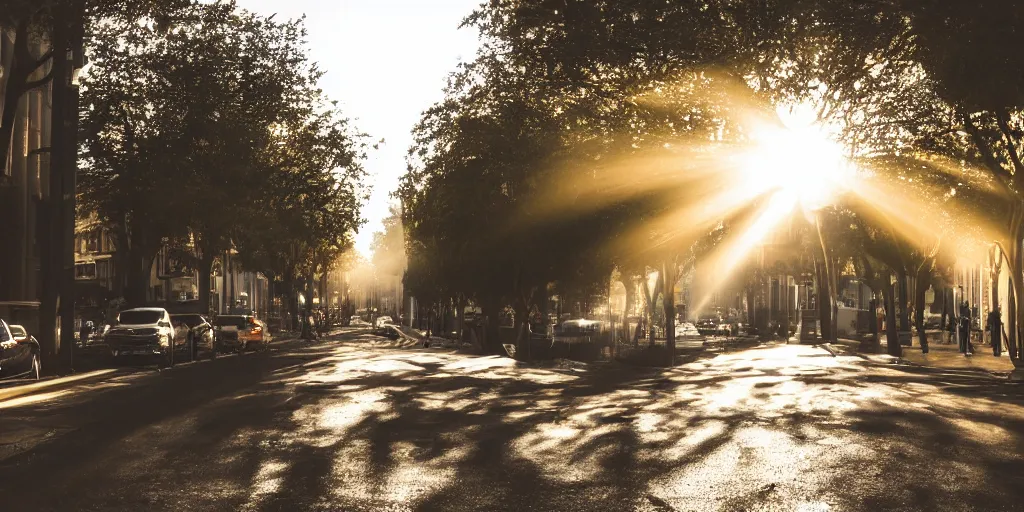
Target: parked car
{"type": "Point", "coordinates": [714, 326]}
{"type": "Point", "coordinates": [686, 329]}
{"type": "Point", "coordinates": [198, 325]}
{"type": "Point", "coordinates": [357, 321]}
{"type": "Point", "coordinates": [19, 353]}
{"type": "Point", "coordinates": [391, 332]}
{"type": "Point", "coordinates": [381, 323]}
{"type": "Point", "coordinates": [240, 333]}
{"type": "Point", "coordinates": [143, 332]}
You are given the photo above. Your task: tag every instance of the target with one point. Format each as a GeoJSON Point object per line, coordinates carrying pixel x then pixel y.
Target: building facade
{"type": "Point", "coordinates": [24, 188]}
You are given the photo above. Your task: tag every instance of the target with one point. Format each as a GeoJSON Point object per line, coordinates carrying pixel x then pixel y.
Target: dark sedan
{"type": "Point", "coordinates": [19, 353]}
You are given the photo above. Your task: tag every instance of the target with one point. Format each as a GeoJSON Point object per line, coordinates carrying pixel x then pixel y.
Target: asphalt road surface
{"type": "Point", "coordinates": [346, 426]}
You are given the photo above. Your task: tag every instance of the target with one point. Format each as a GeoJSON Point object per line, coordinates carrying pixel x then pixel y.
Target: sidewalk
{"type": "Point", "coordinates": [95, 374]}
{"type": "Point", "coordinates": [14, 389]}
{"type": "Point", "coordinates": [941, 355]}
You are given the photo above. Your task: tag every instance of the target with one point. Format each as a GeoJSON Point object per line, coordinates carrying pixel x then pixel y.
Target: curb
{"type": "Point", "coordinates": [901, 361]}
{"type": "Point", "coordinates": [61, 383]}
{"type": "Point", "coordinates": [56, 384]}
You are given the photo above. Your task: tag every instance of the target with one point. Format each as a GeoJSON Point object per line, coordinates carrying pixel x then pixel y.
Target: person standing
{"type": "Point", "coordinates": [83, 335]}
{"type": "Point", "coordinates": [880, 316]}
{"type": "Point", "coordinates": [995, 330]}
{"type": "Point", "coordinates": [965, 329]}
{"type": "Point", "coordinates": [951, 327]}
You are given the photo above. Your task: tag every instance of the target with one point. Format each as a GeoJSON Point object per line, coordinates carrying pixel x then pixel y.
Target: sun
{"type": "Point", "coordinates": [799, 159]}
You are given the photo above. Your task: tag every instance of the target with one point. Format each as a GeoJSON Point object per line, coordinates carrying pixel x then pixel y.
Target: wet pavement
{"type": "Point", "coordinates": [348, 426]}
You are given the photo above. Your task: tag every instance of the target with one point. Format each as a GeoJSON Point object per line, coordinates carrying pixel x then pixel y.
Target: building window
{"type": "Point", "coordinates": [103, 269]}
{"type": "Point", "coordinates": [93, 242]}
{"type": "Point", "coordinates": [85, 271]}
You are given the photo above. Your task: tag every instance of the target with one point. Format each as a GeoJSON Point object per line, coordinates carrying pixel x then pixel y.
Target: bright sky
{"type": "Point", "coordinates": [386, 62]}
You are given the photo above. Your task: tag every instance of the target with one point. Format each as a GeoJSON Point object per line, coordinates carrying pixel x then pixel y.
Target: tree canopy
{"type": "Point", "coordinates": [205, 125]}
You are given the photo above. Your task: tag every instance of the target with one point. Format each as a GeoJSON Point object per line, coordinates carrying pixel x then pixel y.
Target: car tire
{"type": "Point", "coordinates": [36, 369]}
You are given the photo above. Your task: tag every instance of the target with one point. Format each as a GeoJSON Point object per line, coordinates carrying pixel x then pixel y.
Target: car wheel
{"type": "Point", "coordinates": [37, 367]}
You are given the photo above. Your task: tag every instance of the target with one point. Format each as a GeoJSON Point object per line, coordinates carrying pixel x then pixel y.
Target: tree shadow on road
{"type": "Point", "coordinates": [356, 430]}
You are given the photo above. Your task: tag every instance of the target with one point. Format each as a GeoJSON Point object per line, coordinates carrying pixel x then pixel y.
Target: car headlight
{"type": "Point", "coordinates": [163, 339]}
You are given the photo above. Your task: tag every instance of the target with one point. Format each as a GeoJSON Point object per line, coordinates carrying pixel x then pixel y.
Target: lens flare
{"type": "Point", "coordinates": [800, 156]}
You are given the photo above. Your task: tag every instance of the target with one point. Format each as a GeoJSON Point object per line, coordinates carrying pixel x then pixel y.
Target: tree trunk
{"type": "Point", "coordinates": [222, 301]}
{"type": "Point", "coordinates": [48, 272]}
{"type": "Point", "coordinates": [630, 296]}
{"type": "Point", "coordinates": [231, 294]}
{"type": "Point", "coordinates": [205, 267]}
{"type": "Point", "coordinates": [651, 297]}
{"type": "Point", "coordinates": [668, 287]}
{"type": "Point", "coordinates": [289, 297]}
{"type": "Point", "coordinates": [490, 307]}
{"type": "Point", "coordinates": [460, 317]}
{"type": "Point", "coordinates": [945, 310]}
{"type": "Point", "coordinates": [749, 295]}
{"type": "Point", "coordinates": [892, 339]}
{"type": "Point", "coordinates": [21, 67]}
{"type": "Point", "coordinates": [904, 300]}
{"type": "Point", "coordinates": [523, 319]}
{"type": "Point", "coordinates": [996, 266]}
{"type": "Point", "coordinates": [920, 287]}
{"type": "Point", "coordinates": [1013, 310]}
{"type": "Point", "coordinates": [325, 301]}
{"type": "Point", "coordinates": [140, 267]}
{"type": "Point", "coordinates": [833, 297]}
{"type": "Point", "coordinates": [307, 311]}
{"type": "Point", "coordinates": [521, 324]}
{"type": "Point", "coordinates": [875, 335]}
{"type": "Point", "coordinates": [824, 300]}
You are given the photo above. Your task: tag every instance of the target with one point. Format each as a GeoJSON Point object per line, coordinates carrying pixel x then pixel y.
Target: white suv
{"type": "Point", "coordinates": [143, 332]}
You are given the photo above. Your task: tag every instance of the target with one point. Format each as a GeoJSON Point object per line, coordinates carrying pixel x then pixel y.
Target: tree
{"type": "Point", "coordinates": [917, 77]}
{"type": "Point", "coordinates": [180, 112]}
{"type": "Point", "coordinates": [35, 21]}
{"type": "Point", "coordinates": [314, 170]}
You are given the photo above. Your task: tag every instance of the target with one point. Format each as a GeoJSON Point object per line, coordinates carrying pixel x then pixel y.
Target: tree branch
{"type": "Point", "coordinates": [38, 83]}
{"type": "Point", "coordinates": [983, 146]}
{"type": "Point", "coordinates": [1011, 144]}
{"type": "Point", "coordinates": [42, 60]}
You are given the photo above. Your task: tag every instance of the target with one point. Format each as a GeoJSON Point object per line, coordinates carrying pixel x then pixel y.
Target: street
{"type": "Point", "coordinates": [346, 425]}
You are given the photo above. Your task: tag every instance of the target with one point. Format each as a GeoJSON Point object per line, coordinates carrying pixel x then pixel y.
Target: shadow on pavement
{"type": "Point", "coordinates": [344, 428]}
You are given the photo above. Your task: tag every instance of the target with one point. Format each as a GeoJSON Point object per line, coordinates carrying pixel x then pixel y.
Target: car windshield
{"type": "Point", "coordinates": [18, 331]}
{"type": "Point", "coordinates": [139, 317]}
{"type": "Point", "coordinates": [229, 320]}
{"type": "Point", "coordinates": [189, 320]}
